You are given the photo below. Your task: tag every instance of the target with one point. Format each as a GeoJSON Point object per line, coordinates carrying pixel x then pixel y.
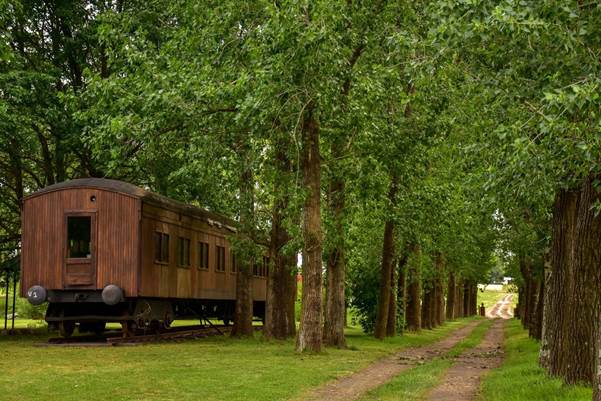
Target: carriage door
{"type": "Point", "coordinates": [80, 250]}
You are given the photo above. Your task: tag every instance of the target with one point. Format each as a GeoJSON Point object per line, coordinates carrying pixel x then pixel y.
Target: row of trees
{"type": "Point", "coordinates": [535, 118]}
{"type": "Point", "coordinates": [318, 125]}
{"type": "Point", "coordinates": [403, 148]}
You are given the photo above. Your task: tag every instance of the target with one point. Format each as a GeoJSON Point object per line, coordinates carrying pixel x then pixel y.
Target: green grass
{"type": "Point", "coordinates": [521, 379]}
{"type": "Point", "coordinates": [413, 384]}
{"type": "Point", "coordinates": [215, 368]}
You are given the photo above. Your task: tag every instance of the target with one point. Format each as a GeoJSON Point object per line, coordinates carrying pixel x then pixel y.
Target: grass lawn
{"type": "Point", "coordinates": [213, 368]}
{"type": "Point", "coordinates": [521, 379]}
{"type": "Point", "coordinates": [413, 384]}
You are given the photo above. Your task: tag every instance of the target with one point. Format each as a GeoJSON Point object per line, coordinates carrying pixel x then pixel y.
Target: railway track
{"type": "Point", "coordinates": [117, 338]}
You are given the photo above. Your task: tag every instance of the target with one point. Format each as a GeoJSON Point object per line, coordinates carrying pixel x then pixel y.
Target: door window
{"type": "Point", "coordinates": [79, 236]}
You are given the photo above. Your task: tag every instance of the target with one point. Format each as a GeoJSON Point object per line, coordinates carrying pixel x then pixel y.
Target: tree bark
{"type": "Point", "coordinates": [310, 332]}
{"type": "Point", "coordinates": [557, 298]}
{"type": "Point", "coordinates": [336, 263]}
{"type": "Point", "coordinates": [427, 303]}
{"type": "Point", "coordinates": [540, 304]}
{"type": "Point", "coordinates": [526, 303]}
{"type": "Point", "coordinates": [401, 293]}
{"type": "Point", "coordinates": [243, 318]}
{"type": "Point", "coordinates": [281, 283]}
{"type": "Point", "coordinates": [459, 311]}
{"type": "Point", "coordinates": [451, 292]}
{"type": "Point", "coordinates": [385, 281]}
{"type": "Point", "coordinates": [243, 314]}
{"type": "Point", "coordinates": [474, 300]}
{"type": "Point", "coordinates": [281, 286]}
{"type": "Point", "coordinates": [439, 311]}
{"type": "Point", "coordinates": [466, 298]}
{"type": "Point", "coordinates": [568, 347]}
{"type": "Point", "coordinates": [537, 318]}
{"type": "Point", "coordinates": [335, 314]}
{"type": "Point", "coordinates": [386, 270]}
{"type": "Point", "coordinates": [391, 325]}
{"type": "Point", "coordinates": [414, 290]}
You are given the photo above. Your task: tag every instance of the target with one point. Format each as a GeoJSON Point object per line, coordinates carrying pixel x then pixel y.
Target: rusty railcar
{"type": "Point", "coordinates": [100, 250]}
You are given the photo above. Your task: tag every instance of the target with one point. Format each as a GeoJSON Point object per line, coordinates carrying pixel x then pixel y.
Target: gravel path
{"type": "Point", "coordinates": [502, 309]}
{"type": "Point", "coordinates": [462, 381]}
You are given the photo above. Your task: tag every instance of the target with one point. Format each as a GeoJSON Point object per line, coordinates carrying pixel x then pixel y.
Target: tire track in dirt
{"type": "Point", "coordinates": [355, 385]}
{"type": "Point", "coordinates": [502, 309]}
{"type": "Point", "coordinates": [462, 380]}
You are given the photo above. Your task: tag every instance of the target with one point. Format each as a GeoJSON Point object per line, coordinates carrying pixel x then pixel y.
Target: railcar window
{"type": "Point", "coordinates": [183, 251]}
{"type": "Point", "coordinates": [234, 262]}
{"type": "Point", "coordinates": [79, 235]}
{"type": "Point", "coordinates": [220, 259]}
{"type": "Point", "coordinates": [161, 247]}
{"type": "Point", "coordinates": [203, 255]}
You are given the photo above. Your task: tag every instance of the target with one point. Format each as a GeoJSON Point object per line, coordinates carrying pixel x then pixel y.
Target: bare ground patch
{"type": "Point", "coordinates": [353, 386]}
{"type": "Point", "coordinates": [462, 381]}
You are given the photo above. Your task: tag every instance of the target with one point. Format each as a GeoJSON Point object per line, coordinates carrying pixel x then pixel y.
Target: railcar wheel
{"type": "Point", "coordinates": [154, 326]}
{"type": "Point", "coordinates": [66, 328]}
{"type": "Point", "coordinates": [128, 328]}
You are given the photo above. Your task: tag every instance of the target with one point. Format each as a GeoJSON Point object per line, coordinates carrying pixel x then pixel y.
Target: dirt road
{"type": "Point", "coordinates": [355, 385]}
{"type": "Point", "coordinates": [502, 309]}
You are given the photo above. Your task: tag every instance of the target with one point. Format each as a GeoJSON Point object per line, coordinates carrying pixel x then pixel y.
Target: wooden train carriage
{"type": "Point", "coordinates": [102, 250]}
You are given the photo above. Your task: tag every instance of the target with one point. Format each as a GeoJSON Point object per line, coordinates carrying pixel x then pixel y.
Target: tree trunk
{"type": "Point", "coordinates": [474, 300]}
{"type": "Point", "coordinates": [281, 290]}
{"type": "Point", "coordinates": [281, 285]}
{"type": "Point", "coordinates": [391, 325]}
{"type": "Point", "coordinates": [385, 281]}
{"type": "Point", "coordinates": [401, 293]}
{"type": "Point", "coordinates": [526, 302]}
{"type": "Point", "coordinates": [310, 332]}
{"type": "Point", "coordinates": [518, 307]}
{"type": "Point", "coordinates": [451, 292]}
{"type": "Point", "coordinates": [336, 264]}
{"type": "Point", "coordinates": [427, 305]}
{"type": "Point", "coordinates": [568, 347]}
{"type": "Point", "coordinates": [466, 299]}
{"type": "Point", "coordinates": [439, 311]}
{"type": "Point", "coordinates": [335, 317]}
{"type": "Point", "coordinates": [537, 318]}
{"type": "Point", "coordinates": [386, 270]}
{"type": "Point", "coordinates": [459, 312]}
{"type": "Point", "coordinates": [335, 301]}
{"type": "Point", "coordinates": [243, 315]}
{"type": "Point", "coordinates": [414, 290]}
{"type": "Point", "coordinates": [243, 318]}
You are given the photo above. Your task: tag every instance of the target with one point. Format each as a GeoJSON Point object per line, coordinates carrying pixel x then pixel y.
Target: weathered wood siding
{"type": "Point", "coordinates": [123, 252]}
{"type": "Point", "coordinates": [116, 251]}
{"type": "Point", "coordinates": [173, 281]}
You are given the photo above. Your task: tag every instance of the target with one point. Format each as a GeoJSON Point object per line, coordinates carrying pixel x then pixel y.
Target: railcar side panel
{"type": "Point", "coordinates": [115, 242]}
{"type": "Point", "coordinates": [171, 279]}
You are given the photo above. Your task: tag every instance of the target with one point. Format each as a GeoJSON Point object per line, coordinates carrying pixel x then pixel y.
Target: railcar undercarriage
{"type": "Point", "coordinates": [86, 311]}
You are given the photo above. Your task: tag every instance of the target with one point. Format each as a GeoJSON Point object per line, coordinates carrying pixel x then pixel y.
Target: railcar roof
{"type": "Point", "coordinates": [140, 193]}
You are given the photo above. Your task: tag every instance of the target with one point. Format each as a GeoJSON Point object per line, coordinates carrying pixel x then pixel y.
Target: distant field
{"type": "Point", "coordinates": [489, 298]}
